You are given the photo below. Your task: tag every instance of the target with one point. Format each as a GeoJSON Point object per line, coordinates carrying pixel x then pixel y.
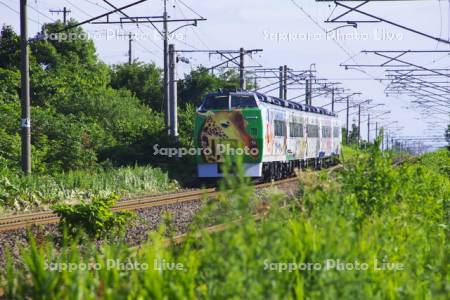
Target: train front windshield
{"type": "Point", "coordinates": [229, 102]}
{"type": "Point", "coordinates": [216, 102]}
{"type": "Point", "coordinates": [242, 101]}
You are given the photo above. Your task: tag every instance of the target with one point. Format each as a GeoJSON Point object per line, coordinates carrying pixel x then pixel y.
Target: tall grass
{"type": "Point", "coordinates": [25, 192]}
{"type": "Point", "coordinates": [336, 219]}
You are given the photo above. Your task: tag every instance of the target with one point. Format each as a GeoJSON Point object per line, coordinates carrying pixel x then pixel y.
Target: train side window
{"type": "Point", "coordinates": [336, 132]}
{"type": "Point", "coordinates": [279, 128]}
{"type": "Point", "coordinates": [296, 130]}
{"type": "Point", "coordinates": [326, 132]}
{"type": "Point", "coordinates": [312, 131]}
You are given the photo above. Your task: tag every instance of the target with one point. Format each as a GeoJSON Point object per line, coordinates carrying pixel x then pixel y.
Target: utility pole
{"type": "Point", "coordinates": [359, 123]}
{"type": "Point", "coordinates": [310, 89]}
{"type": "Point", "coordinates": [164, 19]}
{"type": "Point", "coordinates": [130, 44]}
{"type": "Point", "coordinates": [126, 19]}
{"type": "Point", "coordinates": [332, 100]}
{"type": "Point", "coordinates": [242, 69]}
{"type": "Point", "coordinates": [376, 130]}
{"type": "Point", "coordinates": [347, 129]}
{"type": "Point", "coordinates": [368, 129]}
{"type": "Point", "coordinates": [25, 89]}
{"type": "Point", "coordinates": [166, 69]}
{"type": "Point", "coordinates": [280, 78]}
{"type": "Point", "coordinates": [173, 129]}
{"type": "Point", "coordinates": [387, 140]}
{"type": "Point", "coordinates": [307, 92]}
{"type": "Point", "coordinates": [281, 82]}
{"type": "Point", "coordinates": [285, 87]}
{"type": "Point", "coordinates": [64, 11]}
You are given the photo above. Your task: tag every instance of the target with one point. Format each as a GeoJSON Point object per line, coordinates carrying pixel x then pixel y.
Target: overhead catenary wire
{"type": "Point", "coordinates": [79, 9]}
{"type": "Point", "coordinates": [40, 13]}
{"type": "Point", "coordinates": [138, 27]}
{"type": "Point", "coordinates": [194, 31]}
{"type": "Point", "coordinates": [17, 12]}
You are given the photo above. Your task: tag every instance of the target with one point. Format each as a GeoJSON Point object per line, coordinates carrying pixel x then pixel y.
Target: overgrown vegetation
{"type": "Point", "coordinates": [19, 192]}
{"type": "Point", "coordinates": [93, 218]}
{"type": "Point", "coordinates": [392, 222]}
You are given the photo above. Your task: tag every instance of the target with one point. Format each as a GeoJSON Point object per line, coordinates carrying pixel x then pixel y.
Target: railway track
{"type": "Point", "coordinates": [47, 217]}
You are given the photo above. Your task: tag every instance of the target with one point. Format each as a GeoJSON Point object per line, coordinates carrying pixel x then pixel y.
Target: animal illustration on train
{"type": "Point", "coordinates": [273, 136]}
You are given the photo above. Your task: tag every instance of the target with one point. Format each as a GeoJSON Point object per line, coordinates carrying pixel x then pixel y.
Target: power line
{"type": "Point", "coordinates": [312, 19]}
{"type": "Point", "coordinates": [96, 4]}
{"type": "Point", "coordinates": [190, 8]}
{"type": "Point", "coordinates": [137, 24]}
{"type": "Point", "coordinates": [351, 56]}
{"type": "Point", "coordinates": [13, 9]}
{"type": "Point", "coordinates": [17, 12]}
{"type": "Point", "coordinates": [64, 11]}
{"type": "Point", "coordinates": [140, 29]}
{"type": "Point", "coordinates": [40, 13]}
{"type": "Point", "coordinates": [195, 32]}
{"type": "Point", "coordinates": [79, 9]}
{"type": "Point", "coordinates": [164, 19]}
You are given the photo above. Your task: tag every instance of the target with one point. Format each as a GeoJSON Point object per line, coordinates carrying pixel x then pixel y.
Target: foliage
{"type": "Point", "coordinates": [186, 119]}
{"type": "Point", "coordinates": [94, 218]}
{"type": "Point", "coordinates": [258, 260]}
{"type": "Point", "coordinates": [29, 192]}
{"type": "Point", "coordinates": [143, 80]}
{"type": "Point", "coordinates": [354, 134]}
{"type": "Point", "coordinates": [9, 85]}
{"type": "Point", "coordinates": [447, 136]}
{"type": "Point", "coordinates": [373, 181]}
{"type": "Point", "coordinates": [200, 82]}
{"type": "Point", "coordinates": [10, 50]}
{"type": "Point", "coordinates": [439, 161]}
{"type": "Point", "coordinates": [75, 114]}
{"type": "Point", "coordinates": [71, 46]}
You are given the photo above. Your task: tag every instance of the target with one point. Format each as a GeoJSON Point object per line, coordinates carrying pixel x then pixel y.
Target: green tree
{"type": "Point", "coordinates": [70, 45]}
{"type": "Point", "coordinates": [201, 82]}
{"type": "Point", "coordinates": [10, 48]}
{"type": "Point", "coordinates": [447, 134]}
{"type": "Point", "coordinates": [143, 80]}
{"type": "Point", "coordinates": [76, 114]}
{"type": "Point", "coordinates": [354, 134]}
{"type": "Point", "coordinates": [9, 85]}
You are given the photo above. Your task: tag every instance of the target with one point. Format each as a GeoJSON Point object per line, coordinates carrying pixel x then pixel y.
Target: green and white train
{"type": "Point", "coordinates": [273, 136]}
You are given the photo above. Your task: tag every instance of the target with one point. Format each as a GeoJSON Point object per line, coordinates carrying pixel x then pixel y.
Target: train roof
{"type": "Point", "coordinates": [279, 102]}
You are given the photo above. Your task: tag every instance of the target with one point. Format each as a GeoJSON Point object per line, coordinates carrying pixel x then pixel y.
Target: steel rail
{"type": "Point", "coordinates": [14, 222]}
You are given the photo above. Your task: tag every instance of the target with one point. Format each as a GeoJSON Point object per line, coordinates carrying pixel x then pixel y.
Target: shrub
{"type": "Point", "coordinates": [94, 218]}
{"type": "Point", "coordinates": [372, 181]}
